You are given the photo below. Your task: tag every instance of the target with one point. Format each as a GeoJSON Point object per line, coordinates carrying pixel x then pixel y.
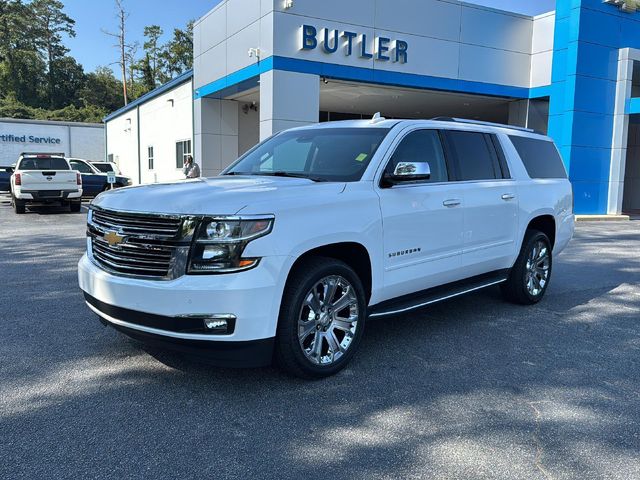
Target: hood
{"type": "Point", "coordinates": [225, 195]}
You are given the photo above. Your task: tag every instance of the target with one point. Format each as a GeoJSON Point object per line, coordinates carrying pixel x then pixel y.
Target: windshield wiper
{"type": "Point", "coordinates": [291, 175]}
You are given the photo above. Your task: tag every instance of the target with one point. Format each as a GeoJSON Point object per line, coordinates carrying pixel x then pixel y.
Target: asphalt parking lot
{"type": "Point", "coordinates": [470, 388]}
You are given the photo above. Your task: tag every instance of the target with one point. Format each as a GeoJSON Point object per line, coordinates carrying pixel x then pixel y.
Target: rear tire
{"type": "Point", "coordinates": [75, 206]}
{"type": "Point", "coordinates": [18, 205]}
{"type": "Point", "coordinates": [318, 336]}
{"type": "Point", "coordinates": [530, 275]}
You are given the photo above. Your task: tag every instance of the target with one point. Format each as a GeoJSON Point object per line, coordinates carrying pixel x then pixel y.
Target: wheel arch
{"type": "Point", "coordinates": [546, 224]}
{"type": "Point", "coordinates": [352, 253]}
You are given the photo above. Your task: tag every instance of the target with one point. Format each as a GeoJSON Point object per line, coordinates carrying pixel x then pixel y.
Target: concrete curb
{"type": "Point", "coordinates": [602, 218]}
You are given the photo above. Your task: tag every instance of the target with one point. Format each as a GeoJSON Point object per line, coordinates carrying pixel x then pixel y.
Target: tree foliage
{"type": "Point", "coordinates": [39, 79]}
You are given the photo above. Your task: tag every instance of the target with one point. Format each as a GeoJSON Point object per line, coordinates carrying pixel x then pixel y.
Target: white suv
{"type": "Point", "coordinates": [290, 251]}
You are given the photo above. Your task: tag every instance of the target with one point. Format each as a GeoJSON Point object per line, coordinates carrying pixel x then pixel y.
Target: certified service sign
{"type": "Point", "coordinates": [629, 6]}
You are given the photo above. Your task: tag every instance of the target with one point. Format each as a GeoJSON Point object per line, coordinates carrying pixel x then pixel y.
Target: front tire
{"type": "Point", "coordinates": [322, 319]}
{"type": "Point", "coordinates": [530, 275]}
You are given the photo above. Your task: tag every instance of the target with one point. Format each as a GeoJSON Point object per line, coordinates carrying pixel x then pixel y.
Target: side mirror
{"type": "Point", "coordinates": [409, 172]}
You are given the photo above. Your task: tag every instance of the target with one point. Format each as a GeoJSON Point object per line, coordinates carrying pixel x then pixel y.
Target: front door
{"type": "Point", "coordinates": [422, 221]}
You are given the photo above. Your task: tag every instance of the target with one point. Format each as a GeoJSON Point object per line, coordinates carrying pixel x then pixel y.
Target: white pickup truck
{"type": "Point", "coordinates": [292, 249]}
{"type": "Point", "coordinates": [45, 178]}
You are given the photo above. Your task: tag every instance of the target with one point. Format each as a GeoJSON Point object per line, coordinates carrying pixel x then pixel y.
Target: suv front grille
{"type": "Point", "coordinates": [139, 225]}
{"type": "Point", "coordinates": [143, 260]}
{"type": "Point", "coordinates": [140, 245]}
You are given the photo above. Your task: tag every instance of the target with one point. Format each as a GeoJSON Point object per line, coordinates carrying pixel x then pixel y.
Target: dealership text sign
{"type": "Point", "coordinates": [352, 43]}
{"type": "Point", "coordinates": [30, 139]}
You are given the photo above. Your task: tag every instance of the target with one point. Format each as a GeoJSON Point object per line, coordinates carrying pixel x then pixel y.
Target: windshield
{"type": "Point", "coordinates": [324, 154]}
{"type": "Point", "coordinates": [45, 163]}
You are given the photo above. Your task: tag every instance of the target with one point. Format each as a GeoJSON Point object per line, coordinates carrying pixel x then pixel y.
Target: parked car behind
{"type": "Point", "coordinates": [45, 178]}
{"type": "Point", "coordinates": [5, 178]}
{"type": "Point", "coordinates": [95, 181]}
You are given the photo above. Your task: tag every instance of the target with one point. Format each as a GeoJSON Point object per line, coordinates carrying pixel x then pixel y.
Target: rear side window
{"type": "Point", "coordinates": [540, 157]}
{"type": "Point", "coordinates": [474, 156]}
{"type": "Point", "coordinates": [46, 163]}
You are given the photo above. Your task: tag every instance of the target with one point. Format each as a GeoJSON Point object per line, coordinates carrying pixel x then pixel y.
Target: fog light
{"type": "Point", "coordinates": [213, 324]}
{"type": "Point", "coordinates": [219, 323]}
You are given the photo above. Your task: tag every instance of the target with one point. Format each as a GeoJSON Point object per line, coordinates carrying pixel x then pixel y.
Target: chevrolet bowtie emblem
{"type": "Point", "coordinates": [113, 238]}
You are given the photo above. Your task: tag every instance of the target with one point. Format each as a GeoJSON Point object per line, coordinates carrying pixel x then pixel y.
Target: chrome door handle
{"type": "Point", "coordinates": [454, 202]}
{"type": "Point", "coordinates": [508, 196]}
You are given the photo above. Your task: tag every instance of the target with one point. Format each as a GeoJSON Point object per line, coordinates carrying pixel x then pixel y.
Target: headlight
{"type": "Point", "coordinates": [220, 243]}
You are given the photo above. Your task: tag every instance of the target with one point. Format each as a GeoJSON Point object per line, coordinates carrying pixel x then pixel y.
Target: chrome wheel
{"type": "Point", "coordinates": [328, 320]}
{"type": "Point", "coordinates": [537, 268]}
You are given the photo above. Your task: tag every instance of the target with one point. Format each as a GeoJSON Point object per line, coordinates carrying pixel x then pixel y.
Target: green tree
{"type": "Point", "coordinates": [50, 24]}
{"type": "Point", "coordinates": [102, 89]}
{"type": "Point", "coordinates": [22, 70]}
{"type": "Point", "coordinates": [177, 54]}
{"type": "Point", "coordinates": [153, 53]}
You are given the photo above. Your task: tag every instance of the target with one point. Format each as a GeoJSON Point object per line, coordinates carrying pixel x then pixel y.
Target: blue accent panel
{"type": "Point", "coordinates": [629, 36]}
{"type": "Point", "coordinates": [180, 79]}
{"type": "Point", "coordinates": [597, 60]}
{"type": "Point", "coordinates": [597, 27]}
{"type": "Point", "coordinates": [593, 94]}
{"type": "Point", "coordinates": [561, 33]}
{"type": "Point", "coordinates": [559, 65]}
{"type": "Point", "coordinates": [590, 164]}
{"type": "Point", "coordinates": [591, 130]}
{"type": "Point", "coordinates": [563, 9]}
{"type": "Point", "coordinates": [590, 198]}
{"type": "Point", "coordinates": [540, 92]}
{"type": "Point", "coordinates": [385, 77]}
{"type": "Point", "coordinates": [242, 75]}
{"type": "Point", "coordinates": [633, 107]}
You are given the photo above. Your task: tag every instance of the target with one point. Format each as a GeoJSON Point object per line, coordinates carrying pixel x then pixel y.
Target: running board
{"type": "Point", "coordinates": [437, 294]}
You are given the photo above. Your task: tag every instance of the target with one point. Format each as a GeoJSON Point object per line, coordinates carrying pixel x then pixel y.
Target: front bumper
{"type": "Point", "coordinates": [243, 354]}
{"type": "Point", "coordinates": [253, 297]}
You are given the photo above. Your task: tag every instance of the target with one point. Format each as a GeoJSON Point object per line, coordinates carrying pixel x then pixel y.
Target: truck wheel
{"type": "Point", "coordinates": [75, 206]}
{"type": "Point", "coordinates": [18, 205]}
{"type": "Point", "coordinates": [530, 275]}
{"type": "Point", "coordinates": [322, 319]}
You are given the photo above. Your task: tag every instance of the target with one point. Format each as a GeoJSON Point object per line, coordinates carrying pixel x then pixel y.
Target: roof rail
{"type": "Point", "coordinates": [487, 124]}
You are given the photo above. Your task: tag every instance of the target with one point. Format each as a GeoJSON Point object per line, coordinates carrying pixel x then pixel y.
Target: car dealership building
{"type": "Point", "coordinates": [262, 66]}
{"type": "Point", "coordinates": [73, 139]}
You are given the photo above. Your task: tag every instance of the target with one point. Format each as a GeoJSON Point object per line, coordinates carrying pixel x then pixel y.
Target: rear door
{"type": "Point", "coordinates": [490, 201]}
{"type": "Point", "coordinates": [422, 221]}
{"type": "Point", "coordinates": [92, 183]}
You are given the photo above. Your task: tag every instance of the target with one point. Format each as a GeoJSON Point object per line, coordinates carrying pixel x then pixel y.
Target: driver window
{"type": "Point", "coordinates": [421, 146]}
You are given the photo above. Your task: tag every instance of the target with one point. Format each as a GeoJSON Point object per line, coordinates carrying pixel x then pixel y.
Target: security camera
{"type": "Point", "coordinates": [253, 52]}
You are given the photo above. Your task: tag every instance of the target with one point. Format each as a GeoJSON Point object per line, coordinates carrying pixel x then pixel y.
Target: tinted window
{"type": "Point", "coordinates": [80, 166]}
{"type": "Point", "coordinates": [47, 163]}
{"type": "Point", "coordinates": [104, 167]}
{"type": "Point", "coordinates": [474, 154]}
{"type": "Point", "coordinates": [540, 157]}
{"type": "Point", "coordinates": [421, 146]}
{"type": "Point", "coordinates": [331, 154]}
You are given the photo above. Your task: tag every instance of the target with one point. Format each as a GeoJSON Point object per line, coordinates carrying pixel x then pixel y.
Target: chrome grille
{"type": "Point", "coordinates": [145, 245]}
{"type": "Point", "coordinates": [138, 225]}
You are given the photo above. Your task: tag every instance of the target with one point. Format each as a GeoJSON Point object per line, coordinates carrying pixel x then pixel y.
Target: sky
{"type": "Point", "coordinates": [92, 48]}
